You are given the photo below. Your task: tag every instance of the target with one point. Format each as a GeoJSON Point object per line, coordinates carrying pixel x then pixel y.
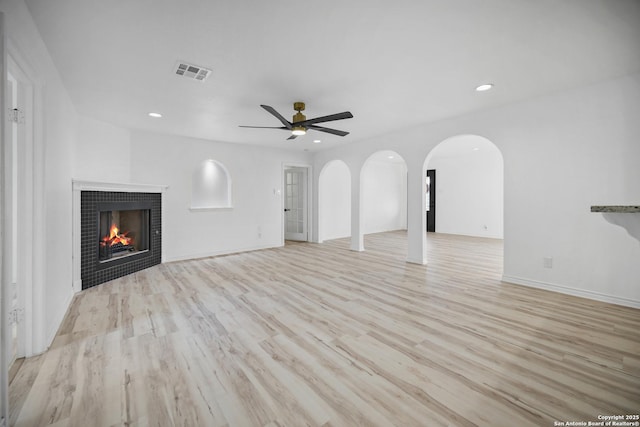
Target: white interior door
{"type": "Point", "coordinates": [18, 208]}
{"type": "Point", "coordinates": [295, 204]}
{"type": "Point", "coordinates": [24, 218]}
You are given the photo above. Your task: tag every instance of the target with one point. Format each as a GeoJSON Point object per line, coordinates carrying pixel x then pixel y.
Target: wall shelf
{"type": "Point", "coordinates": [616, 209]}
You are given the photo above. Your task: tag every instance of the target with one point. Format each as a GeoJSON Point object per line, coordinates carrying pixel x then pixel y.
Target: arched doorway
{"type": "Point", "coordinates": [469, 186]}
{"type": "Point", "coordinates": [334, 201]}
{"type": "Point", "coordinates": [383, 192]}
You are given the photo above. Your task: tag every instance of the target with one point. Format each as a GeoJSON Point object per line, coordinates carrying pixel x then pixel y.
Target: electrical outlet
{"type": "Point", "coordinates": [547, 262]}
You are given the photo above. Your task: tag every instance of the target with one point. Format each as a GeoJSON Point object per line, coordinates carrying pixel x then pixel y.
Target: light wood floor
{"type": "Point", "coordinates": [317, 335]}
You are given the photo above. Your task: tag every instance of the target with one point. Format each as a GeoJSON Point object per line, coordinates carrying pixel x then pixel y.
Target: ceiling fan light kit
{"type": "Point", "coordinates": [300, 125]}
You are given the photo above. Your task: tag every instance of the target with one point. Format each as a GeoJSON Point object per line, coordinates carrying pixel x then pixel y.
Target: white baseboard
{"type": "Point", "coordinates": [416, 261]}
{"type": "Point", "coordinates": [217, 253]}
{"type": "Point", "coordinates": [52, 327]}
{"type": "Point", "coordinates": [325, 238]}
{"type": "Point", "coordinates": [597, 296]}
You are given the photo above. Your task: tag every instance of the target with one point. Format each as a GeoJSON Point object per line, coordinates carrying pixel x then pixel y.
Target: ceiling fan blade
{"type": "Point", "coordinates": [329, 130]}
{"type": "Point", "coordinates": [292, 137]}
{"type": "Point", "coordinates": [329, 118]}
{"type": "Point", "coordinates": [264, 127]}
{"type": "Point", "coordinates": [278, 116]}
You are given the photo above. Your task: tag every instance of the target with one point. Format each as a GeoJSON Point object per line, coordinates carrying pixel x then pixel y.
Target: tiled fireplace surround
{"type": "Point", "coordinates": [86, 197]}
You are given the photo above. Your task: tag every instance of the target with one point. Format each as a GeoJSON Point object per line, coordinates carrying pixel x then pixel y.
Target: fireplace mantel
{"type": "Point", "coordinates": [616, 209]}
{"type": "Point", "coordinates": [79, 186]}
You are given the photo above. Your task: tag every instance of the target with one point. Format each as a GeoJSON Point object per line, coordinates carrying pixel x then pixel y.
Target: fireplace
{"type": "Point", "coordinates": [120, 233]}
{"type": "Point", "coordinates": [123, 231]}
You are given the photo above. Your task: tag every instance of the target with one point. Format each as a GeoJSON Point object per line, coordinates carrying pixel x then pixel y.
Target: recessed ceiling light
{"type": "Point", "coordinates": [484, 87]}
{"type": "Point", "coordinates": [316, 141]}
{"type": "Point", "coordinates": [390, 157]}
{"type": "Point", "coordinates": [155, 115]}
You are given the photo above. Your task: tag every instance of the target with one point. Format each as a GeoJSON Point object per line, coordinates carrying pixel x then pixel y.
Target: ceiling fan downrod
{"type": "Point", "coordinates": [299, 117]}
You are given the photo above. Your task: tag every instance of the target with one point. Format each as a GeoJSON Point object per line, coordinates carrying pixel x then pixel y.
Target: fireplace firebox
{"type": "Point", "coordinates": [120, 233]}
{"type": "Point", "coordinates": [123, 230]}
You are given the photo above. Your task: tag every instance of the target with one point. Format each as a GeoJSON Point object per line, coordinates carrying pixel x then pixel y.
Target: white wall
{"type": "Point", "coordinates": [562, 153]}
{"type": "Point", "coordinates": [335, 201]}
{"type": "Point", "coordinates": [384, 196]}
{"type": "Point", "coordinates": [254, 221]}
{"type": "Point", "coordinates": [469, 188]}
{"type": "Point", "coordinates": [55, 124]}
{"type": "Point", "coordinates": [101, 152]}
{"type": "Point", "coordinates": [578, 149]}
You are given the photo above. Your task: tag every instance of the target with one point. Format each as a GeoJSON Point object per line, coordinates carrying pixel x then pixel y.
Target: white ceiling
{"type": "Point", "coordinates": [392, 64]}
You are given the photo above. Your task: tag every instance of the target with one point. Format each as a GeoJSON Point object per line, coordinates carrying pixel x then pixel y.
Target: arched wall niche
{"type": "Point", "coordinates": [334, 201]}
{"type": "Point", "coordinates": [211, 186]}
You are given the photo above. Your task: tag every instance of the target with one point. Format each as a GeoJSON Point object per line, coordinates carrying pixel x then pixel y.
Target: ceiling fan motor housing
{"type": "Point", "coordinates": [298, 117]}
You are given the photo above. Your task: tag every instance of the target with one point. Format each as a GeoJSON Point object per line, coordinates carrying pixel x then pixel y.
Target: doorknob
{"type": "Point", "coordinates": [286, 210]}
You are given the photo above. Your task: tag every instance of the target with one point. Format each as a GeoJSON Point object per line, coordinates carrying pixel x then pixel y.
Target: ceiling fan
{"type": "Point", "coordinates": [300, 125]}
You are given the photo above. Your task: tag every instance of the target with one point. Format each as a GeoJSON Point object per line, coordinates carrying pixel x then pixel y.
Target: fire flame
{"type": "Point", "coordinates": [114, 237]}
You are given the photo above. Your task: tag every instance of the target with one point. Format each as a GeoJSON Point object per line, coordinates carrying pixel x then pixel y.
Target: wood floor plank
{"type": "Point", "coordinates": [318, 335]}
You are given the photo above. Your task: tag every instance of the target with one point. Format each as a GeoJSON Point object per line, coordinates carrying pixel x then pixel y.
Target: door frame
{"type": "Point", "coordinates": [308, 189]}
{"type": "Point", "coordinates": [432, 199]}
{"type": "Point", "coordinates": [4, 287]}
{"type": "Point", "coordinates": [30, 267]}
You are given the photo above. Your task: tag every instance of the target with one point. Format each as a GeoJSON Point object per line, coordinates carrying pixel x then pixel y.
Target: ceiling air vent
{"type": "Point", "coordinates": [192, 71]}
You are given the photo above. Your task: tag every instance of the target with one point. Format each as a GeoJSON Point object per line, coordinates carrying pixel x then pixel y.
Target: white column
{"type": "Point", "coordinates": [315, 206]}
{"type": "Point", "coordinates": [416, 213]}
{"type": "Point", "coordinates": [357, 236]}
